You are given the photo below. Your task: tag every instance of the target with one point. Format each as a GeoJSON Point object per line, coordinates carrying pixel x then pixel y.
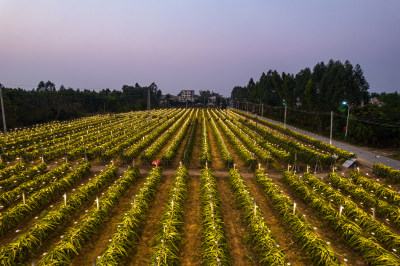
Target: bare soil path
{"type": "Point", "coordinates": [236, 231]}
{"type": "Point", "coordinates": [190, 247]}
{"type": "Point", "coordinates": [142, 253]}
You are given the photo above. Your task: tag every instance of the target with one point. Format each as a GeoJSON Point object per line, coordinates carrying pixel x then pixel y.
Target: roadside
{"type": "Point", "coordinates": [364, 155]}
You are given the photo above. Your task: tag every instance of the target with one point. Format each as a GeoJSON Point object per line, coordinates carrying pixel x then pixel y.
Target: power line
{"type": "Point", "coordinates": [392, 124]}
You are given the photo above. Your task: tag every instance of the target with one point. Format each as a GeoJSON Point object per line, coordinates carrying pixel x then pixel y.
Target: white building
{"type": "Point", "coordinates": [186, 95]}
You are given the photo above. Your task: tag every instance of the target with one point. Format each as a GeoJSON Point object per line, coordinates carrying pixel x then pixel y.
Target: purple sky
{"type": "Point", "coordinates": [187, 44]}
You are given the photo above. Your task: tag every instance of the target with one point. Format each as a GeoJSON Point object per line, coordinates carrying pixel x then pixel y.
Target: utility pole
{"type": "Point", "coordinates": [330, 135]}
{"type": "Point", "coordinates": [148, 98]}
{"type": "Point", "coordinates": [262, 109]}
{"type": "Point", "coordinates": [284, 116]}
{"type": "Point", "coordinates": [2, 111]}
{"type": "Point", "coordinates": [347, 122]}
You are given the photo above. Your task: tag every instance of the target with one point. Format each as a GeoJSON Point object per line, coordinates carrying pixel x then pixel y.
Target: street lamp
{"type": "Point", "coordinates": [347, 122]}
{"type": "Point", "coordinates": [284, 117]}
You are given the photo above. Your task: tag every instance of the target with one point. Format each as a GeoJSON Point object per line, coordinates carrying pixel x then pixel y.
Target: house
{"type": "Point", "coordinates": [375, 100]}
{"type": "Point", "coordinates": [186, 95]}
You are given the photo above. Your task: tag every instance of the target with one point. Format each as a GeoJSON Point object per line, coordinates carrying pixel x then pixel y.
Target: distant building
{"type": "Point", "coordinates": [186, 95]}
{"type": "Point", "coordinates": [375, 101]}
{"type": "Point", "coordinates": [212, 101]}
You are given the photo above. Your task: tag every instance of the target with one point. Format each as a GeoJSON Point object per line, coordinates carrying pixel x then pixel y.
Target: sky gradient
{"type": "Point", "coordinates": [187, 44]}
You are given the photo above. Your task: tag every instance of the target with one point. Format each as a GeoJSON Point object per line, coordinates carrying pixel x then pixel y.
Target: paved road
{"type": "Point", "coordinates": [363, 156]}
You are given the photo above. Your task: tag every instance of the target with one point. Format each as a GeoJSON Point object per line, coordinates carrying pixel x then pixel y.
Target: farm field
{"type": "Point", "coordinates": [230, 190]}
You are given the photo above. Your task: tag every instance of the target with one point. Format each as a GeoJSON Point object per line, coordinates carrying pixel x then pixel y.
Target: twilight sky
{"type": "Point", "coordinates": [187, 44]}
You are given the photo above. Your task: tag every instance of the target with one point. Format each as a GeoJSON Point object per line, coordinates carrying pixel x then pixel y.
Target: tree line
{"type": "Point", "coordinates": [312, 94]}
{"type": "Point", "coordinates": [47, 103]}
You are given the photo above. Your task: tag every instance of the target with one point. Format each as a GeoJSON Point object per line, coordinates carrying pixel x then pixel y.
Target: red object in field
{"type": "Point", "coordinates": [158, 163]}
{"type": "Point", "coordinates": [345, 128]}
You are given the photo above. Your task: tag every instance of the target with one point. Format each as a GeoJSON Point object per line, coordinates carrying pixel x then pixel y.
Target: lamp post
{"type": "Point", "coordinates": [347, 122]}
{"type": "Point", "coordinates": [284, 117]}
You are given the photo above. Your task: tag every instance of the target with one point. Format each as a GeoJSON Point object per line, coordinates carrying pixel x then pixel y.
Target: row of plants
{"type": "Point", "coordinates": [304, 153]}
{"type": "Point", "coordinates": [134, 150]}
{"type": "Point", "coordinates": [29, 187]}
{"type": "Point", "coordinates": [8, 171]}
{"type": "Point", "coordinates": [364, 244]}
{"type": "Point", "coordinates": [383, 234]}
{"type": "Point", "coordinates": [380, 191]}
{"type": "Point", "coordinates": [30, 135]}
{"type": "Point", "coordinates": [322, 145]}
{"type": "Point", "coordinates": [205, 155]}
{"type": "Point", "coordinates": [51, 139]}
{"type": "Point", "coordinates": [141, 132]}
{"type": "Point", "coordinates": [392, 175]}
{"type": "Point", "coordinates": [367, 198]}
{"type": "Point", "coordinates": [256, 143]}
{"type": "Point", "coordinates": [120, 136]}
{"type": "Point", "coordinates": [24, 176]}
{"type": "Point", "coordinates": [244, 153]}
{"type": "Point", "coordinates": [13, 216]}
{"type": "Point", "coordinates": [165, 250]}
{"type": "Point", "coordinates": [61, 134]}
{"type": "Point", "coordinates": [187, 150]}
{"type": "Point", "coordinates": [170, 152]}
{"type": "Point", "coordinates": [262, 239]}
{"type": "Point", "coordinates": [136, 130]}
{"type": "Point", "coordinates": [105, 137]}
{"type": "Point", "coordinates": [73, 144]}
{"type": "Point", "coordinates": [214, 244]}
{"type": "Point", "coordinates": [248, 138]}
{"type": "Point", "coordinates": [128, 232]}
{"type": "Point", "coordinates": [75, 238]}
{"type": "Point", "coordinates": [25, 245]}
{"type": "Point", "coordinates": [313, 245]}
{"type": "Point", "coordinates": [222, 148]}
{"type": "Point", "coordinates": [159, 143]}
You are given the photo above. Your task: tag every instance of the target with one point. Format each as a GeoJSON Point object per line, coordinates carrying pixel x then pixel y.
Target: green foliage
{"type": "Point", "coordinates": [223, 150]}
{"type": "Point", "coordinates": [77, 236]}
{"type": "Point", "coordinates": [187, 151]}
{"type": "Point", "coordinates": [355, 237]}
{"type": "Point", "coordinates": [28, 174]}
{"type": "Point", "coordinates": [160, 141]}
{"type": "Point", "coordinates": [237, 141]}
{"type": "Point", "coordinates": [319, 251]}
{"type": "Point", "coordinates": [205, 156]}
{"type": "Point", "coordinates": [214, 247]}
{"type": "Point", "coordinates": [165, 250]}
{"type": "Point", "coordinates": [11, 170]}
{"type": "Point", "coordinates": [393, 176]}
{"type": "Point", "coordinates": [383, 233]}
{"type": "Point", "coordinates": [170, 153]}
{"type": "Point", "coordinates": [129, 229]}
{"type": "Point", "coordinates": [13, 216]}
{"type": "Point", "coordinates": [262, 238]}
{"type": "Point", "coordinates": [29, 187]}
{"type": "Point", "coordinates": [134, 150]}
{"type": "Point", "coordinates": [380, 191]}
{"type": "Point", "coordinates": [368, 199]}
{"type": "Point", "coordinates": [329, 148]}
